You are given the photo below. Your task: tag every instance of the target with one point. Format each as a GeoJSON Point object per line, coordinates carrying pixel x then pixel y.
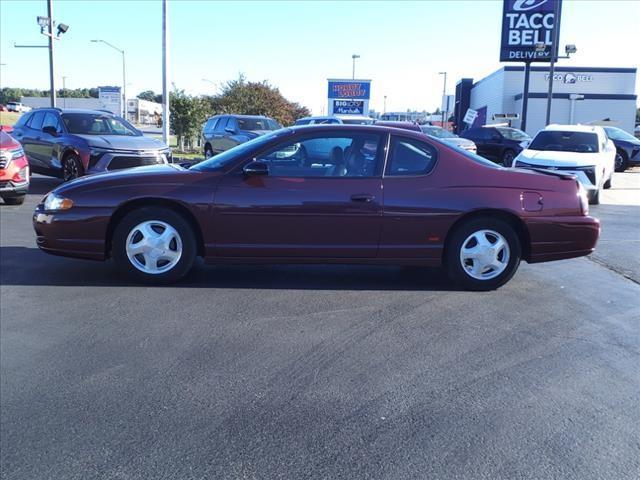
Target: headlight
{"type": "Point", "coordinates": [55, 202]}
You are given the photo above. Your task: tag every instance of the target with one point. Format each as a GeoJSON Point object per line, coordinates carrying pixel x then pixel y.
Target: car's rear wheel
{"type": "Point", "coordinates": [154, 245]}
{"type": "Point", "coordinates": [507, 157]}
{"type": "Point", "coordinates": [621, 162]}
{"type": "Point", "coordinates": [14, 200]}
{"type": "Point", "coordinates": [208, 152]}
{"type": "Point", "coordinates": [483, 254]}
{"type": "Point", "coordinates": [71, 167]}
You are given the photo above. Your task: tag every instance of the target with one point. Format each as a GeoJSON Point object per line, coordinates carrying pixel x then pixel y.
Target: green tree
{"type": "Point", "coordinates": [255, 98]}
{"type": "Point", "coordinates": [187, 116]}
{"type": "Point", "coordinates": [150, 96]}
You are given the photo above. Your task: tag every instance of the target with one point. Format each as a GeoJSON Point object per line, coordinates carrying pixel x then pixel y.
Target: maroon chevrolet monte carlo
{"type": "Point", "coordinates": [323, 194]}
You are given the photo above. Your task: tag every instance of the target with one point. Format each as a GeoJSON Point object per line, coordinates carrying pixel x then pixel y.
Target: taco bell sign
{"type": "Point", "coordinates": [526, 23]}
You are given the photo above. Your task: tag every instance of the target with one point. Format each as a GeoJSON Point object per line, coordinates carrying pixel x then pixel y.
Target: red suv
{"type": "Point", "coordinates": [14, 169]}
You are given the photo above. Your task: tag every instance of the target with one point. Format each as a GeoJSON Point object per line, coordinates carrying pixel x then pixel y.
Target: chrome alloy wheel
{"type": "Point", "coordinates": [154, 247]}
{"type": "Point", "coordinates": [484, 254]}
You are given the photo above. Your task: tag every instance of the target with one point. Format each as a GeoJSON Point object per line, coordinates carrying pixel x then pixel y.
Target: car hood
{"type": "Point", "coordinates": [558, 159]}
{"type": "Point", "coordinates": [121, 142]}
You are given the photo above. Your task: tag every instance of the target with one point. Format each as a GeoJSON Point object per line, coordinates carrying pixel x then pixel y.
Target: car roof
{"type": "Point", "coordinates": [574, 128]}
{"type": "Point", "coordinates": [73, 110]}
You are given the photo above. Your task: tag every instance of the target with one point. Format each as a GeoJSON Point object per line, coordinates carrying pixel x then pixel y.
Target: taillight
{"type": "Point", "coordinates": [584, 200]}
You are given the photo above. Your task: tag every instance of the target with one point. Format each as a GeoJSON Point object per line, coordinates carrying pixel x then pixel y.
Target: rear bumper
{"type": "Point", "coordinates": [559, 238]}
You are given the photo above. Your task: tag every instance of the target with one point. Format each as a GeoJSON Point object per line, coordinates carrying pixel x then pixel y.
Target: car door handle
{"type": "Point", "coordinates": [362, 197]}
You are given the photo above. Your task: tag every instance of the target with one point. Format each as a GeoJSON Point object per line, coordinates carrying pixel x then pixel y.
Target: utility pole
{"type": "Point", "coordinates": [554, 53]}
{"type": "Point", "coordinates": [64, 91]}
{"type": "Point", "coordinates": [353, 71]}
{"type": "Point", "coordinates": [385, 105]}
{"type": "Point", "coordinates": [52, 79]}
{"type": "Point", "coordinates": [444, 94]}
{"type": "Point", "coordinates": [165, 74]}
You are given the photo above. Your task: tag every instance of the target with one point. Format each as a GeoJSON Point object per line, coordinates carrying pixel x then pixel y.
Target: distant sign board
{"type": "Point", "coordinates": [354, 89]}
{"type": "Point", "coordinates": [348, 107]}
{"type": "Point", "coordinates": [505, 116]}
{"type": "Point", "coordinates": [524, 24]}
{"type": "Point", "coordinates": [110, 99]}
{"type": "Point", "coordinates": [470, 116]}
{"type": "Point", "coordinates": [348, 97]}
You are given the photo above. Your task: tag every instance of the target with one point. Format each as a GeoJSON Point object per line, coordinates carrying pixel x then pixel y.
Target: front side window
{"type": "Point", "coordinates": [97, 124]}
{"type": "Point", "coordinates": [51, 120]}
{"type": "Point", "coordinates": [36, 121]}
{"type": "Point", "coordinates": [340, 155]}
{"type": "Point", "coordinates": [558, 141]}
{"type": "Point", "coordinates": [410, 157]}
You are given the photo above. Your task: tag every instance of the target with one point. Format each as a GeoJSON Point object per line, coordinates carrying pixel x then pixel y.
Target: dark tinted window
{"type": "Point", "coordinates": [411, 157]}
{"type": "Point", "coordinates": [221, 124]}
{"type": "Point", "coordinates": [325, 155]}
{"type": "Point", "coordinates": [557, 141]}
{"type": "Point", "coordinates": [303, 122]}
{"type": "Point", "coordinates": [36, 121]}
{"type": "Point", "coordinates": [256, 124]}
{"type": "Point", "coordinates": [51, 120]}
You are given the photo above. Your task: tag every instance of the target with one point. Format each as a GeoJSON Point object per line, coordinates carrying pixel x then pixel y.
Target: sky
{"type": "Point", "coordinates": [296, 45]}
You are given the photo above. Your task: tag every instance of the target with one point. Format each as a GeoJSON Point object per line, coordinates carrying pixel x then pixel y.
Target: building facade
{"type": "Point", "coordinates": [580, 95]}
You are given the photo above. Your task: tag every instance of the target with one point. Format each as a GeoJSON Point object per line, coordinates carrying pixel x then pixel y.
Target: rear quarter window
{"type": "Point", "coordinates": [410, 157]}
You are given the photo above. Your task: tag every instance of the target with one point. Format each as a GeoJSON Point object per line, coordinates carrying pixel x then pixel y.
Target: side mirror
{"type": "Point", "coordinates": [256, 168]}
{"type": "Point", "coordinates": [50, 130]}
{"type": "Point", "coordinates": [6, 128]}
{"type": "Point", "coordinates": [230, 130]}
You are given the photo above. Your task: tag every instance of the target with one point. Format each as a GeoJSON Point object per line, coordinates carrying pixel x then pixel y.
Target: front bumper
{"type": "Point", "coordinates": [10, 189]}
{"type": "Point", "coordinates": [559, 238]}
{"type": "Point", "coordinates": [78, 232]}
{"type": "Point", "coordinates": [106, 161]}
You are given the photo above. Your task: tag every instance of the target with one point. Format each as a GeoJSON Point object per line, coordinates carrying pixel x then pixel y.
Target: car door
{"type": "Point", "coordinates": [413, 222]}
{"type": "Point", "coordinates": [233, 136]}
{"type": "Point", "coordinates": [217, 140]}
{"type": "Point", "coordinates": [48, 140]}
{"type": "Point", "coordinates": [30, 140]}
{"type": "Point", "coordinates": [331, 209]}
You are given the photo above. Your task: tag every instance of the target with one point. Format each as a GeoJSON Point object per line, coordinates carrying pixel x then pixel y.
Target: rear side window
{"type": "Point", "coordinates": [36, 121]}
{"type": "Point", "coordinates": [557, 141]}
{"type": "Point", "coordinates": [410, 157]}
{"type": "Point", "coordinates": [210, 125]}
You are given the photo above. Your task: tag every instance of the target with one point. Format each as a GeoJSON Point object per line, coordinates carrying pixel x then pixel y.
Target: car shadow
{"type": "Point", "coordinates": [32, 267]}
{"type": "Point", "coordinates": [40, 185]}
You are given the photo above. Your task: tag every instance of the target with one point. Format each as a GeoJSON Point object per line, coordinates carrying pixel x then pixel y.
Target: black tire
{"type": "Point", "coordinates": [208, 151]}
{"type": "Point", "coordinates": [170, 217]}
{"type": "Point", "coordinates": [607, 184]}
{"type": "Point", "coordinates": [72, 167]}
{"type": "Point", "coordinates": [453, 263]}
{"type": "Point", "coordinates": [14, 200]}
{"type": "Point", "coordinates": [594, 198]}
{"type": "Point", "coordinates": [621, 162]}
{"type": "Point", "coordinates": [507, 157]}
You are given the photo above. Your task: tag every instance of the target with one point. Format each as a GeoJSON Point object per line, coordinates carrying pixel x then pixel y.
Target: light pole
{"type": "Point", "coordinates": [124, 76]}
{"type": "Point", "coordinates": [384, 110]}
{"type": "Point", "coordinates": [444, 93]}
{"type": "Point", "coordinates": [353, 70]}
{"type": "Point", "coordinates": [64, 91]}
{"type": "Point", "coordinates": [165, 73]}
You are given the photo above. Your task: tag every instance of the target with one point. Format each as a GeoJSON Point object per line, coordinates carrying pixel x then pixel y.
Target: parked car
{"type": "Point", "coordinates": [222, 132]}
{"type": "Point", "coordinates": [398, 124]}
{"type": "Point", "coordinates": [355, 119]}
{"type": "Point", "coordinates": [448, 137]}
{"type": "Point", "coordinates": [70, 143]}
{"type": "Point", "coordinates": [627, 148]}
{"type": "Point", "coordinates": [17, 107]}
{"type": "Point", "coordinates": [317, 121]}
{"type": "Point", "coordinates": [3, 108]}
{"type": "Point", "coordinates": [14, 169]}
{"type": "Point", "coordinates": [581, 150]}
{"type": "Point", "coordinates": [499, 144]}
{"type": "Point", "coordinates": [441, 206]}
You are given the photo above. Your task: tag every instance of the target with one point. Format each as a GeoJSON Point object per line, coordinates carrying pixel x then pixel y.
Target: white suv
{"type": "Point", "coordinates": [17, 107]}
{"type": "Point", "coordinates": [582, 150]}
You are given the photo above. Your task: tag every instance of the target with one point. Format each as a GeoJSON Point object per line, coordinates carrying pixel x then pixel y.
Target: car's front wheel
{"type": "Point", "coordinates": [71, 168]}
{"type": "Point", "coordinates": [154, 245]}
{"type": "Point", "coordinates": [507, 158]}
{"type": "Point", "coordinates": [483, 254]}
{"type": "Point", "coordinates": [621, 163]}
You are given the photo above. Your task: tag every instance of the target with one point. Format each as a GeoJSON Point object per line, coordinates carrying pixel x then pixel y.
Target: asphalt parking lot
{"type": "Point", "coordinates": [321, 372]}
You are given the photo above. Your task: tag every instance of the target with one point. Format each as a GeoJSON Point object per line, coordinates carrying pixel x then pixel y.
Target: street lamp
{"type": "Point", "coordinates": [384, 110]}
{"type": "Point", "coordinates": [353, 58]}
{"type": "Point", "coordinates": [444, 93]}
{"type": "Point", "coordinates": [124, 82]}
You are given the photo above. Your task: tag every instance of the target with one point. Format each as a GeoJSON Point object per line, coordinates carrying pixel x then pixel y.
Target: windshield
{"type": "Point", "coordinates": [98, 124]}
{"type": "Point", "coordinates": [556, 141]}
{"type": "Point", "coordinates": [257, 124]}
{"type": "Point", "coordinates": [513, 133]}
{"type": "Point", "coordinates": [224, 158]}
{"type": "Point", "coordinates": [615, 133]}
{"type": "Point", "coordinates": [437, 132]}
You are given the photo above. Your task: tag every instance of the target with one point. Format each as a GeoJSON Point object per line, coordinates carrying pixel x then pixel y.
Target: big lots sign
{"type": "Point", "coordinates": [526, 23]}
